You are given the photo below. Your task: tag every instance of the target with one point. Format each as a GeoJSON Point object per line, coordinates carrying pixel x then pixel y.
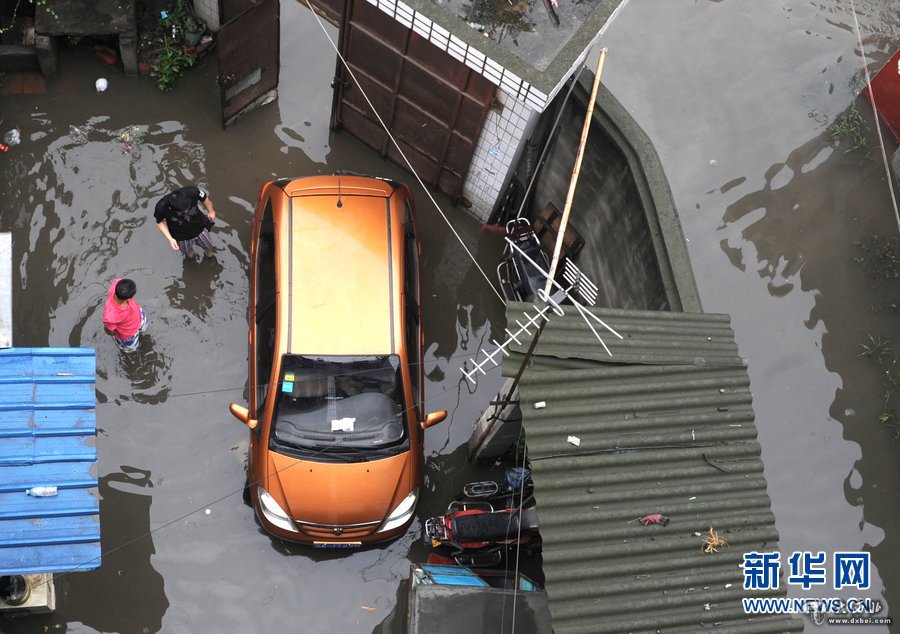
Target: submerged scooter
{"type": "Point", "coordinates": [486, 520]}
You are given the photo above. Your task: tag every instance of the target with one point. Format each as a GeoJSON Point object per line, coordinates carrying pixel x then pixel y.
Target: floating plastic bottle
{"type": "Point", "coordinates": [42, 492]}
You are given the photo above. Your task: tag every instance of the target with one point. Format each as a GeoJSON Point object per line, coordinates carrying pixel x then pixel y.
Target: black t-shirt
{"type": "Point", "coordinates": [187, 224]}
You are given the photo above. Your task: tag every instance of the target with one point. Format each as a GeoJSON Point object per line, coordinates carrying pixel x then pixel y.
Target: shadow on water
{"type": "Point", "coordinates": [802, 233]}
{"type": "Point", "coordinates": [132, 591]}
{"type": "Point", "coordinates": [146, 369]}
{"type": "Point", "coordinates": [194, 291]}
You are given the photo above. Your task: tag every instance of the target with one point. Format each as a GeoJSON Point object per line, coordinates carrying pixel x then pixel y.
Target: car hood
{"type": "Point", "coordinates": [340, 493]}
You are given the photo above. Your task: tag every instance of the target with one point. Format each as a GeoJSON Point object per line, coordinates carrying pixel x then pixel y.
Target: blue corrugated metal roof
{"type": "Point", "coordinates": [47, 430]}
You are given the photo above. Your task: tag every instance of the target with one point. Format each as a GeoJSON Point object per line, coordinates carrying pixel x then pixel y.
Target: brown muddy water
{"type": "Point", "coordinates": [738, 98]}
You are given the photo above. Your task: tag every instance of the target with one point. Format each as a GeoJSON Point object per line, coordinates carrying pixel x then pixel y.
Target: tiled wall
{"type": "Point", "coordinates": [497, 152]}
{"type": "Point", "coordinates": [505, 131]}
{"type": "Point", "coordinates": [458, 49]}
{"type": "Point", "coordinates": [208, 11]}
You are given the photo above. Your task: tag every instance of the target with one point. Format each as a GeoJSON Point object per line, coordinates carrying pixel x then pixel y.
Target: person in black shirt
{"type": "Point", "coordinates": [182, 223]}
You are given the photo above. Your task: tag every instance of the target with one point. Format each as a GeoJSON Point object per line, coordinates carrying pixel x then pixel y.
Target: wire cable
{"type": "Point", "coordinates": [168, 523]}
{"type": "Point", "coordinates": [397, 146]}
{"type": "Point", "coordinates": [887, 167]}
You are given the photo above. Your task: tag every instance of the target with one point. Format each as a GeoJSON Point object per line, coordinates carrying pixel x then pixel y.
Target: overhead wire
{"type": "Point", "coordinates": [402, 153]}
{"type": "Point", "coordinates": [547, 144]}
{"type": "Point", "coordinates": [170, 522]}
{"type": "Point", "coordinates": [887, 168]}
{"type": "Point", "coordinates": [214, 501]}
{"type": "Point", "coordinates": [325, 376]}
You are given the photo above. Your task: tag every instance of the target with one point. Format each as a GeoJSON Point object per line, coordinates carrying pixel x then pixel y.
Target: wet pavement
{"type": "Point", "coordinates": [737, 97]}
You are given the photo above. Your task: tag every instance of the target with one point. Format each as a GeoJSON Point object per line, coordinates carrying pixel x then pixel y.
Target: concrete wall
{"type": "Point", "coordinates": [623, 208]}
{"type": "Point", "coordinates": [607, 211]}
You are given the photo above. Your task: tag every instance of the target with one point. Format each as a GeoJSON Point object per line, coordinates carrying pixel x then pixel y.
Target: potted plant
{"type": "Point", "coordinates": [172, 62]}
{"type": "Point", "coordinates": [193, 29]}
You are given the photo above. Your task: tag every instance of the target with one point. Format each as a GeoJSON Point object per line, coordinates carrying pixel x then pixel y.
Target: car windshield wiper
{"type": "Point", "coordinates": [349, 454]}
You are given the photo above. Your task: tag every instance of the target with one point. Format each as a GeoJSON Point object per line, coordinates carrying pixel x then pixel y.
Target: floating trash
{"type": "Point", "coordinates": [12, 137]}
{"type": "Point", "coordinates": [131, 140]}
{"type": "Point", "coordinates": [79, 135]}
{"type": "Point", "coordinates": [42, 492]}
{"type": "Point", "coordinates": [101, 84]}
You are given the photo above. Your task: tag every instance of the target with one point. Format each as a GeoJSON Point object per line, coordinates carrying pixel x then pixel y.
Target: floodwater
{"type": "Point", "coordinates": [738, 98]}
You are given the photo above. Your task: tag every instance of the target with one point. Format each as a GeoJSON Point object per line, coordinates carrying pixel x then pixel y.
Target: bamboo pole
{"type": "Point", "coordinates": [559, 237]}
{"type": "Point", "coordinates": [557, 249]}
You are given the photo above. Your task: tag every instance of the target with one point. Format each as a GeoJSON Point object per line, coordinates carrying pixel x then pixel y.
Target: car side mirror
{"type": "Point", "coordinates": [433, 419]}
{"type": "Point", "coordinates": [243, 414]}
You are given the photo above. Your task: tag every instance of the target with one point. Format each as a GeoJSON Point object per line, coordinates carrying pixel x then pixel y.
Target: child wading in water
{"type": "Point", "coordinates": [123, 318]}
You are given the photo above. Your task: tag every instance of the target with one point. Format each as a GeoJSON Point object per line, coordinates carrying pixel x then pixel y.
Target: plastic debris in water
{"type": "Point", "coordinates": [77, 134]}
{"type": "Point", "coordinates": [574, 440]}
{"type": "Point", "coordinates": [131, 139]}
{"type": "Point", "coordinates": [12, 137]}
{"type": "Point", "coordinates": [42, 492]}
{"type": "Point", "coordinates": [101, 84]}
{"type": "Point", "coordinates": [655, 518]}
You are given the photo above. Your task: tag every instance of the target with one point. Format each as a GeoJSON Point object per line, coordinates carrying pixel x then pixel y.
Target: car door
{"type": "Point", "coordinates": [262, 314]}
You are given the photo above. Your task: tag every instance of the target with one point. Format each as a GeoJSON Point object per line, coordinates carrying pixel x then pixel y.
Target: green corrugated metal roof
{"type": "Point", "coordinates": [666, 426]}
{"type": "Point", "coordinates": [649, 337]}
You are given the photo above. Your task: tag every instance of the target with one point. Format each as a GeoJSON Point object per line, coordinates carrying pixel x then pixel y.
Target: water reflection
{"type": "Point", "coordinates": [147, 368]}
{"type": "Point", "coordinates": [127, 572]}
{"type": "Point", "coordinates": [194, 291]}
{"type": "Point", "coordinates": [799, 233]}
{"type": "Point", "coordinates": [134, 599]}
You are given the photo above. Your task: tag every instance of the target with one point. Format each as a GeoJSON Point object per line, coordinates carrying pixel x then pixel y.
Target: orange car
{"type": "Point", "coordinates": [336, 442]}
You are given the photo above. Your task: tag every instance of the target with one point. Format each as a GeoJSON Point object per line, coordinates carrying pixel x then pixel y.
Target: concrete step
{"type": "Point", "coordinates": [15, 58]}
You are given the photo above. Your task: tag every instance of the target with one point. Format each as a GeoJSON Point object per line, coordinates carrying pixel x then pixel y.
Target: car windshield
{"type": "Point", "coordinates": [332, 404]}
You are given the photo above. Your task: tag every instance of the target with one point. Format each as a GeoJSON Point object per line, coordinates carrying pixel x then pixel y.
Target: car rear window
{"type": "Point", "coordinates": [332, 404]}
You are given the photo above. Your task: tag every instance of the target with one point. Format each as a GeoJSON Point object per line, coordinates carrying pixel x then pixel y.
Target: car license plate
{"type": "Point", "coordinates": [337, 544]}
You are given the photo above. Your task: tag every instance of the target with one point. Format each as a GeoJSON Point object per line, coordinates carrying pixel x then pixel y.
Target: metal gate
{"type": "Point", "coordinates": [434, 105]}
{"type": "Point", "coordinates": [248, 55]}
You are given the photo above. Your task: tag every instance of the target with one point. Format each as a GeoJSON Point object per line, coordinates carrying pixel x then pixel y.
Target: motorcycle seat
{"type": "Point", "coordinates": [485, 527]}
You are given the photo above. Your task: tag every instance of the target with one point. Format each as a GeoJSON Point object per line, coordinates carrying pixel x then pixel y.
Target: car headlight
{"type": "Point", "coordinates": [400, 515]}
{"type": "Point", "coordinates": [274, 513]}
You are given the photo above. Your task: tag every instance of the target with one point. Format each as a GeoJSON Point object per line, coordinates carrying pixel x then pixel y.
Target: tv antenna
{"type": "Point", "coordinates": [579, 283]}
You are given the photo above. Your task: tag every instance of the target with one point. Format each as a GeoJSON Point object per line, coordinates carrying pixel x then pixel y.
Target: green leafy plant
{"type": "Point", "coordinates": [15, 10]}
{"type": "Point", "coordinates": [875, 347]}
{"type": "Point", "coordinates": [879, 350]}
{"type": "Point", "coordinates": [193, 25]}
{"type": "Point", "coordinates": [852, 128]}
{"type": "Point", "coordinates": [184, 20]}
{"type": "Point", "coordinates": [170, 66]}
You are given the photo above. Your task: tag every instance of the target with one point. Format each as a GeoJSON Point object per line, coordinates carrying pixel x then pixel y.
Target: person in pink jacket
{"type": "Point", "coordinates": [123, 318]}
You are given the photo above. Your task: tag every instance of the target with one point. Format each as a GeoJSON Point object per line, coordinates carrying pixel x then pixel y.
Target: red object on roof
{"type": "Point", "coordinates": [885, 89]}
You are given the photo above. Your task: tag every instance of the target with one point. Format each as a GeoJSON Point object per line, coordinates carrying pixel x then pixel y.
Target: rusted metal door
{"type": "Point", "coordinates": [331, 10]}
{"type": "Point", "coordinates": [434, 105]}
{"type": "Point", "coordinates": [248, 55]}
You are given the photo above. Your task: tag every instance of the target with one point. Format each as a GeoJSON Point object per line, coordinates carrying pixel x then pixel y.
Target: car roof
{"type": "Point", "coordinates": [342, 265]}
